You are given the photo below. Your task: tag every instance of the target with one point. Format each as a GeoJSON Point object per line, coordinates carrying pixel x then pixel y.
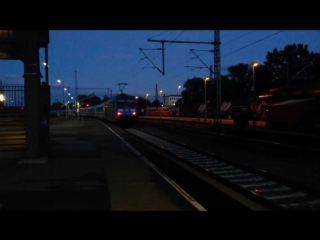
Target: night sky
{"type": "Point", "coordinates": [101, 59]}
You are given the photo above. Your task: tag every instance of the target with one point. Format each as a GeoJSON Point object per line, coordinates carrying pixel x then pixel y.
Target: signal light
{"type": "Point", "coordinates": [87, 105]}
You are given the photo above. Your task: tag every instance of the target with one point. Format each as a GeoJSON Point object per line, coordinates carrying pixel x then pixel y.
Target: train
{"type": "Point", "coordinates": [164, 111]}
{"type": "Point", "coordinates": [294, 114]}
{"type": "Point", "coordinates": [294, 107]}
{"type": "Point", "coordinates": [119, 109]}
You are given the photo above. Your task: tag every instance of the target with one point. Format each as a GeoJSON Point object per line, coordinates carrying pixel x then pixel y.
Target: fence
{"type": "Point", "coordinates": [11, 96]}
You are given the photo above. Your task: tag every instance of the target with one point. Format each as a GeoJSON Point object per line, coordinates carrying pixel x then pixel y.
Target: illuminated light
{"type": "Point", "coordinates": [266, 95]}
{"type": "Point", "coordinates": [2, 98]}
{"type": "Point", "coordinates": [134, 113]}
{"type": "Point", "coordinates": [274, 89]}
{"type": "Point", "coordinates": [87, 105]}
{"type": "Point", "coordinates": [119, 113]}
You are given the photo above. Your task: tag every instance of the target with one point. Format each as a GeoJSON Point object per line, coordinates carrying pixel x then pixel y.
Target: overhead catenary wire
{"type": "Point", "coordinates": [237, 38]}
{"type": "Point", "coordinates": [207, 51]}
{"type": "Point", "coordinates": [252, 43]}
{"type": "Point", "coordinates": [234, 51]}
{"type": "Point", "coordinates": [163, 50]}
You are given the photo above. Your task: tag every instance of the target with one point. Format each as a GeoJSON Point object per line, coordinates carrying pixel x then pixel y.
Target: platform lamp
{"type": "Point", "coordinates": [160, 103]}
{"type": "Point", "coordinates": [254, 64]}
{"type": "Point", "coordinates": [146, 102]}
{"type": "Point", "coordinates": [205, 98]}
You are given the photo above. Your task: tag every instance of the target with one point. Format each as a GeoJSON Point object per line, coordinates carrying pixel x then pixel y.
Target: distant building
{"type": "Point", "coordinates": [169, 100]}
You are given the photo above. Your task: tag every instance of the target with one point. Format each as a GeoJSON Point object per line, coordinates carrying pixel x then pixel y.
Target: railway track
{"type": "Point", "coordinates": [292, 146]}
{"type": "Point", "coordinates": [250, 187]}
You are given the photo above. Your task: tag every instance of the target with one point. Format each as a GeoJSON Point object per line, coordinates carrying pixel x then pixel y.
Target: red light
{"type": "Point", "coordinates": [134, 113]}
{"type": "Point", "coordinates": [87, 105]}
{"type": "Point", "coordinates": [119, 113]}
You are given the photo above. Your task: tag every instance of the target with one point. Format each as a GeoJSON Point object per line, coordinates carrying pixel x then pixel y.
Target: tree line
{"type": "Point", "coordinates": [293, 65]}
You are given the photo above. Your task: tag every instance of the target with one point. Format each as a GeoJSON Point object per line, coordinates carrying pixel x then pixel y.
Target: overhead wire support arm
{"type": "Point", "coordinates": [94, 88]}
{"type": "Point", "coordinates": [151, 61]}
{"type": "Point", "coordinates": [202, 61]}
{"type": "Point", "coordinates": [194, 67]}
{"type": "Point", "coordinates": [168, 41]}
{"type": "Point", "coordinates": [163, 41]}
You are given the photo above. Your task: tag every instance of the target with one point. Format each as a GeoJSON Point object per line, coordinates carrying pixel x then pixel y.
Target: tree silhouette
{"type": "Point", "coordinates": [293, 64]}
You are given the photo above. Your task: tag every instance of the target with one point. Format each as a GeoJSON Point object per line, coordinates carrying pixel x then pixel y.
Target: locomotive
{"type": "Point", "coordinates": [120, 109]}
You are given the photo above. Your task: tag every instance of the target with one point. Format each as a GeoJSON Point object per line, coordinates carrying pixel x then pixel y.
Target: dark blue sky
{"type": "Point", "coordinates": [104, 58]}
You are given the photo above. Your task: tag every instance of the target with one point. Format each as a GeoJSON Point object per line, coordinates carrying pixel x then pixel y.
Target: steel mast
{"type": "Point", "coordinates": [217, 72]}
{"type": "Point", "coordinates": [217, 65]}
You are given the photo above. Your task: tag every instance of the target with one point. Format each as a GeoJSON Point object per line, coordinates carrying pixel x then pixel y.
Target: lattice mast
{"type": "Point", "coordinates": [217, 72]}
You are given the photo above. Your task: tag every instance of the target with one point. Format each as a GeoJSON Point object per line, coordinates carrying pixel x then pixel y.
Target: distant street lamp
{"type": "Point", "coordinates": [160, 103]}
{"type": "Point", "coordinates": [63, 89]}
{"type": "Point", "coordinates": [74, 103]}
{"type": "Point", "coordinates": [205, 99]}
{"type": "Point", "coordinates": [253, 95]}
{"type": "Point", "coordinates": [146, 102]}
{"type": "Point", "coordinates": [178, 103]}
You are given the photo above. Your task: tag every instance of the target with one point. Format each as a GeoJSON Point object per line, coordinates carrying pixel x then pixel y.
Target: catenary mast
{"type": "Point", "coordinates": [217, 66]}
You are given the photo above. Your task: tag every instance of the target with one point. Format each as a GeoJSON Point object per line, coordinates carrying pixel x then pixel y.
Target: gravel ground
{"type": "Point", "coordinates": [303, 173]}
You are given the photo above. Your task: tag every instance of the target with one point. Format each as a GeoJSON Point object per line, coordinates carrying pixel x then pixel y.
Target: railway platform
{"type": "Point", "coordinates": [86, 166]}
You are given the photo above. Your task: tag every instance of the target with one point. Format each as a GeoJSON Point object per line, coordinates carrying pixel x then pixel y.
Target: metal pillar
{"type": "Point", "coordinates": [32, 88]}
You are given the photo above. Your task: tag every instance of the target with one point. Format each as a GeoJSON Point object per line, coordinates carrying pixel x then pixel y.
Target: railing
{"type": "Point", "coordinates": [11, 97]}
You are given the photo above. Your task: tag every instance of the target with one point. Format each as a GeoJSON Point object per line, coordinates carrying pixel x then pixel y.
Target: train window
{"type": "Point", "coordinates": [125, 104]}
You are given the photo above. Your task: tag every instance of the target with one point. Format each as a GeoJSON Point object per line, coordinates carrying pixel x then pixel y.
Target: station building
{"type": "Point", "coordinates": [170, 100]}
